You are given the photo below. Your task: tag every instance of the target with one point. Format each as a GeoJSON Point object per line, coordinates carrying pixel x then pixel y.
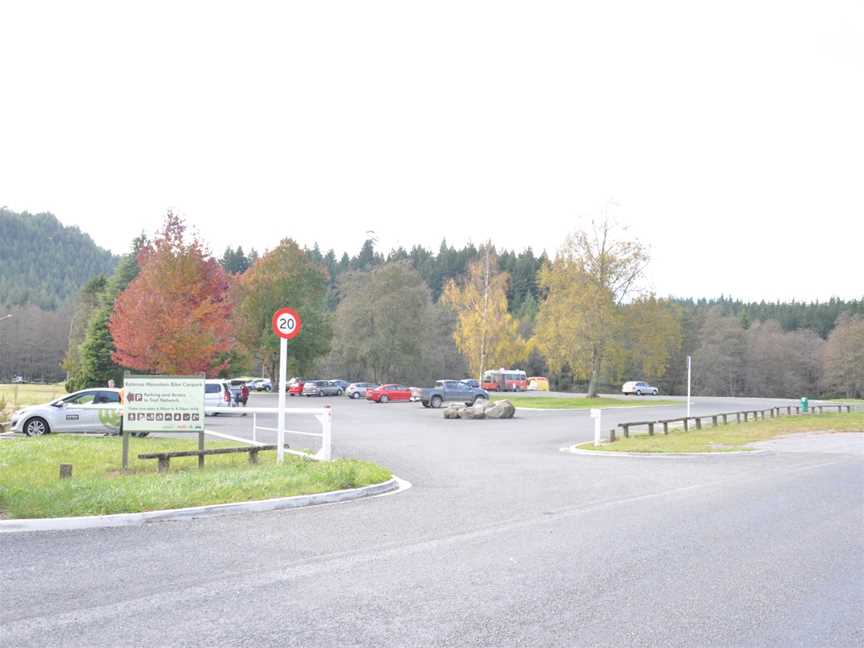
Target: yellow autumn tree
{"type": "Point", "coordinates": [585, 286]}
{"type": "Point", "coordinates": [650, 335]}
{"type": "Point", "coordinates": [486, 334]}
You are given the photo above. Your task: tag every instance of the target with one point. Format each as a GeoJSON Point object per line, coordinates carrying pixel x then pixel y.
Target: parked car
{"type": "Point", "coordinates": [321, 388]}
{"type": "Point", "coordinates": [88, 410]}
{"type": "Point", "coordinates": [451, 391]}
{"type": "Point", "coordinates": [538, 383]}
{"type": "Point", "coordinates": [358, 390]}
{"type": "Point", "coordinates": [639, 388]}
{"type": "Point", "coordinates": [295, 386]}
{"type": "Point", "coordinates": [217, 393]}
{"type": "Point", "coordinates": [387, 393]}
{"type": "Point", "coordinates": [261, 384]}
{"type": "Point", "coordinates": [343, 384]}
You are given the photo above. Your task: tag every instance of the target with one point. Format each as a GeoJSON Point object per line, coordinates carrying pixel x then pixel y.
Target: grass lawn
{"type": "Point", "coordinates": [551, 402]}
{"type": "Point", "coordinates": [18, 396]}
{"type": "Point", "coordinates": [735, 436]}
{"type": "Point", "coordinates": [30, 485]}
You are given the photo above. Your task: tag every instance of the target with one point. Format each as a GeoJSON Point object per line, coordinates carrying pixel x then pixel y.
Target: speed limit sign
{"type": "Point", "coordinates": [287, 323]}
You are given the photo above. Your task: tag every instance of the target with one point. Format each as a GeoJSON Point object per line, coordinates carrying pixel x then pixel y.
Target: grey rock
{"type": "Point", "coordinates": [501, 410]}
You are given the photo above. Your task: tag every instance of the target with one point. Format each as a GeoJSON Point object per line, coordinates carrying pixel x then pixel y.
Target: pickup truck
{"type": "Point", "coordinates": [451, 391]}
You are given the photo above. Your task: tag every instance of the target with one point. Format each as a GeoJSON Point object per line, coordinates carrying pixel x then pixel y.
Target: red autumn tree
{"type": "Point", "coordinates": [174, 318]}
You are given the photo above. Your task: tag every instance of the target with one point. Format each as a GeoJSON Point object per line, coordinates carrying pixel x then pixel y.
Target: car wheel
{"type": "Point", "coordinates": [36, 427]}
{"type": "Point", "coordinates": [638, 393]}
{"type": "Point", "coordinates": [355, 395]}
{"type": "Point", "coordinates": [436, 401]}
{"type": "Point", "coordinates": [267, 389]}
{"type": "Point", "coordinates": [384, 399]}
{"type": "Point", "coordinates": [339, 392]}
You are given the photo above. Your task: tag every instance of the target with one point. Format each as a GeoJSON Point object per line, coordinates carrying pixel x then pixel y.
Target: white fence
{"type": "Point", "coordinates": [324, 416]}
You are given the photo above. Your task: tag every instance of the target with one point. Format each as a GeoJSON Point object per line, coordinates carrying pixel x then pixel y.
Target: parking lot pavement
{"type": "Point", "coordinates": [502, 541]}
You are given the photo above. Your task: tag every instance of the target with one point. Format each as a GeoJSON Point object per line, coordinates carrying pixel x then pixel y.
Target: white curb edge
{"type": "Point", "coordinates": [663, 455]}
{"type": "Point", "coordinates": [392, 485]}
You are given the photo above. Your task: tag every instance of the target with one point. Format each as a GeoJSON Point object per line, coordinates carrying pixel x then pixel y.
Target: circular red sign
{"type": "Point", "coordinates": [287, 323]}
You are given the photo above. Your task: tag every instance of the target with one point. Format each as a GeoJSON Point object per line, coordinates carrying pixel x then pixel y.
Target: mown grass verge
{"type": "Point", "coordinates": [30, 486]}
{"type": "Point", "coordinates": [735, 436]}
{"type": "Point", "coordinates": [551, 402]}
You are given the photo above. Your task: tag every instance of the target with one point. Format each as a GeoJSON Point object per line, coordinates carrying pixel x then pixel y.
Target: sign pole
{"type": "Point", "coordinates": [283, 369]}
{"type": "Point", "coordinates": [688, 386]}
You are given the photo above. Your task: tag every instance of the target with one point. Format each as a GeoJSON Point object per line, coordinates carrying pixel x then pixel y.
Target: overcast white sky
{"type": "Point", "coordinates": [730, 136]}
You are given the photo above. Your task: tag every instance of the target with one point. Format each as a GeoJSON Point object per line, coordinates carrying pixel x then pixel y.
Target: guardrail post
{"type": "Point", "coordinates": [650, 429]}
{"type": "Point", "coordinates": [698, 422]}
{"type": "Point", "coordinates": [725, 419]}
{"type": "Point", "coordinates": [686, 427]}
{"type": "Point", "coordinates": [665, 427]}
{"type": "Point", "coordinates": [327, 435]}
{"type": "Point", "coordinates": [625, 428]}
{"type": "Point", "coordinates": [612, 435]}
{"type": "Point", "coordinates": [714, 421]}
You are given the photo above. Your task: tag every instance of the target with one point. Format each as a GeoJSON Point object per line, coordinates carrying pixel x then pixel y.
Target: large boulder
{"type": "Point", "coordinates": [452, 412]}
{"type": "Point", "coordinates": [472, 413]}
{"type": "Point", "coordinates": [502, 409]}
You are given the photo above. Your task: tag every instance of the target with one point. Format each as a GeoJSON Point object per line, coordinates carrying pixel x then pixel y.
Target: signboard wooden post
{"type": "Point", "coordinates": [286, 325]}
{"type": "Point", "coordinates": [162, 404]}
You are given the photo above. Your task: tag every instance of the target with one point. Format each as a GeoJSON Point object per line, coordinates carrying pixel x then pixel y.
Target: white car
{"type": "Point", "coordinates": [638, 388]}
{"type": "Point", "coordinates": [88, 410]}
{"type": "Point", "coordinates": [217, 393]}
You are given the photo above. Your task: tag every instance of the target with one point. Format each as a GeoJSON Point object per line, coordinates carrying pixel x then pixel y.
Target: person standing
{"type": "Point", "coordinates": [244, 394]}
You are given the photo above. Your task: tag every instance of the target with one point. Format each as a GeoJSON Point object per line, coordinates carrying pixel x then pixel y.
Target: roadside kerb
{"type": "Point", "coordinates": [257, 506]}
{"type": "Point", "coordinates": [575, 449]}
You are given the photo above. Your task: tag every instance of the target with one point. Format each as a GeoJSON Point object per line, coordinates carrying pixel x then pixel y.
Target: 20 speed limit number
{"type": "Point", "coordinates": [287, 323]}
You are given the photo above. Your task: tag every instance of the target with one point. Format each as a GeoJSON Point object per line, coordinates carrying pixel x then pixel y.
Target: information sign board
{"type": "Point", "coordinates": [163, 404]}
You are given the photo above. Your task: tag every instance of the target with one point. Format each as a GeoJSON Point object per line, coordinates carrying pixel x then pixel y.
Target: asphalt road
{"type": "Point", "coordinates": [503, 540]}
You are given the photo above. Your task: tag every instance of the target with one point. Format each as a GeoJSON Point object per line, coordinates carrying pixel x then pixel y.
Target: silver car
{"type": "Point", "coordinates": [358, 390]}
{"type": "Point", "coordinates": [88, 410]}
{"type": "Point", "coordinates": [639, 388]}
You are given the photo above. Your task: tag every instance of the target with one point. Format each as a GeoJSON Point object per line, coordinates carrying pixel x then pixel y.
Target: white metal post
{"type": "Point", "coordinates": [254, 426]}
{"type": "Point", "coordinates": [597, 415]}
{"type": "Point", "coordinates": [325, 453]}
{"type": "Point", "coordinates": [688, 386]}
{"type": "Point", "coordinates": [283, 369]}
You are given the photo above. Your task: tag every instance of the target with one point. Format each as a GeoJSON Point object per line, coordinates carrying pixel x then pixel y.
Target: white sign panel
{"type": "Point", "coordinates": [163, 404]}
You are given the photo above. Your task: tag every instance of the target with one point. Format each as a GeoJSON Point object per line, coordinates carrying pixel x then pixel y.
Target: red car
{"type": "Point", "coordinates": [386, 393]}
{"type": "Point", "coordinates": [296, 388]}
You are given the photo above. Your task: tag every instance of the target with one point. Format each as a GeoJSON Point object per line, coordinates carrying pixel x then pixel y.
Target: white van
{"type": "Point", "coordinates": [217, 394]}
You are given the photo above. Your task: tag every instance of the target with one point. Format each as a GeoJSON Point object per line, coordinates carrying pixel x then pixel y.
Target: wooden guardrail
{"type": "Point", "coordinates": [746, 415]}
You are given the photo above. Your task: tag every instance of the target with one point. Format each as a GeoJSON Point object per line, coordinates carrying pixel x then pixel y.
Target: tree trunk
{"type": "Point", "coordinates": [595, 372]}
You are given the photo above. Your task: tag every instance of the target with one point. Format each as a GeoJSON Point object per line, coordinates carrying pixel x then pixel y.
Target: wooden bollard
{"type": "Point", "coordinates": [650, 429]}
{"type": "Point", "coordinates": [612, 435]}
{"type": "Point", "coordinates": [626, 429]}
{"type": "Point", "coordinates": [698, 423]}
{"type": "Point", "coordinates": [686, 427]}
{"type": "Point", "coordinates": [714, 421]}
{"type": "Point", "coordinates": [725, 419]}
{"type": "Point", "coordinates": [665, 427]}
{"type": "Point", "coordinates": [65, 471]}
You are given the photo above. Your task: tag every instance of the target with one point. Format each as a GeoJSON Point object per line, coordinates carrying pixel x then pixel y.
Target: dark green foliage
{"type": "Point", "coordinates": [45, 263]}
{"type": "Point", "coordinates": [95, 366]}
{"type": "Point", "coordinates": [792, 316]}
{"type": "Point", "coordinates": [235, 261]}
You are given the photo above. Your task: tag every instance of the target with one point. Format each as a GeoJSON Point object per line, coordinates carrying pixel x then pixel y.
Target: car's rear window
{"type": "Point", "coordinates": [212, 388]}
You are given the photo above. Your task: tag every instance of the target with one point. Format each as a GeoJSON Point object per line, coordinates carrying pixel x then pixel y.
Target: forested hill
{"type": "Point", "coordinates": [44, 263]}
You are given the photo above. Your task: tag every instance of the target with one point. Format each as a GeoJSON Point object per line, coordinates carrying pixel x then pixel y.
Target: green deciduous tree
{"type": "Point", "coordinates": [284, 276]}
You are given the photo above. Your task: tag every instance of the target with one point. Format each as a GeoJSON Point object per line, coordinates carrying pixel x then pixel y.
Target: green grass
{"type": "Point", "coordinates": [551, 402]}
{"type": "Point", "coordinates": [30, 485]}
{"type": "Point", "coordinates": [18, 396]}
{"type": "Point", "coordinates": [735, 436]}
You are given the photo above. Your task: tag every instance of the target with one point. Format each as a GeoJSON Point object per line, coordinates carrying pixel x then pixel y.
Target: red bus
{"type": "Point", "coordinates": [505, 380]}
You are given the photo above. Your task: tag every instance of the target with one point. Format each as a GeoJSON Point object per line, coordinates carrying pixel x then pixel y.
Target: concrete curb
{"type": "Point", "coordinates": [663, 455]}
{"type": "Point", "coordinates": [392, 485]}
